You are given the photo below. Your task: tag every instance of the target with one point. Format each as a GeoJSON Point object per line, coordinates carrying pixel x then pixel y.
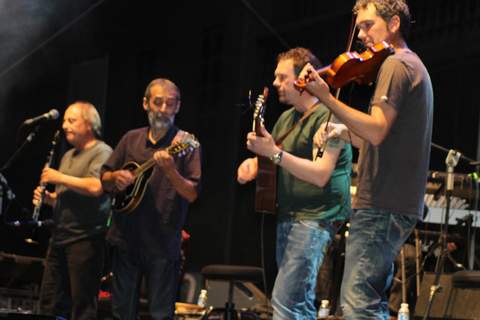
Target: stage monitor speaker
{"type": "Point", "coordinates": [190, 287]}
{"type": "Point", "coordinates": [245, 294]}
{"type": "Point", "coordinates": [449, 303]}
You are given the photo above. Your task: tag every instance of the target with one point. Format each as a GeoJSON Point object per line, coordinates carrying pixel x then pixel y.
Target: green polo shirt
{"type": "Point", "coordinates": [303, 199]}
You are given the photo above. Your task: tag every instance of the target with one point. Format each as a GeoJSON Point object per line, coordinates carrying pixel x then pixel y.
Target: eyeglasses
{"type": "Point", "coordinates": [169, 102]}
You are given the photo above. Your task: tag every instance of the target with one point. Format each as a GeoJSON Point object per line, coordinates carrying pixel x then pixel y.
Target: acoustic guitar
{"type": "Point", "coordinates": [128, 199]}
{"type": "Point", "coordinates": [266, 181]}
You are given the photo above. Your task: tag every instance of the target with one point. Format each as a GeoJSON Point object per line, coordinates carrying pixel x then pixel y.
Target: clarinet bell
{"type": "Point", "coordinates": [33, 239]}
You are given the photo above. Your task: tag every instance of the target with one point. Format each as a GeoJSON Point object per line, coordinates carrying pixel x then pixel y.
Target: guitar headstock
{"type": "Point", "coordinates": [259, 112]}
{"type": "Point", "coordinates": [187, 144]}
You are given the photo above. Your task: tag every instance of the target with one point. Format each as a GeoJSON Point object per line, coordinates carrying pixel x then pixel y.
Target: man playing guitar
{"type": "Point", "coordinates": [312, 194]}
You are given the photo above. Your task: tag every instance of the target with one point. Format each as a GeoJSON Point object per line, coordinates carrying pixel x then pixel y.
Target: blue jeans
{"type": "Point", "coordinates": [375, 238]}
{"type": "Point", "coordinates": [301, 246]}
{"type": "Point", "coordinates": [161, 277]}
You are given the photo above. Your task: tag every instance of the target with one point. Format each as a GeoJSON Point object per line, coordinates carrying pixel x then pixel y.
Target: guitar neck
{"type": "Point", "coordinates": [258, 127]}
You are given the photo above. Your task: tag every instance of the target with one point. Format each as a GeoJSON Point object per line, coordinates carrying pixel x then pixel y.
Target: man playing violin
{"type": "Point", "coordinates": [394, 139]}
{"type": "Point", "coordinates": [147, 240]}
{"type": "Point", "coordinates": [313, 194]}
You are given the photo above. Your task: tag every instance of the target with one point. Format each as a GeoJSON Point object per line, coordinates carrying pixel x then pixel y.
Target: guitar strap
{"type": "Point", "coordinates": [305, 116]}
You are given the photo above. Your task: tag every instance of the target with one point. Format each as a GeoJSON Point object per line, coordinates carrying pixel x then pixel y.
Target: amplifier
{"type": "Point", "coordinates": [449, 302]}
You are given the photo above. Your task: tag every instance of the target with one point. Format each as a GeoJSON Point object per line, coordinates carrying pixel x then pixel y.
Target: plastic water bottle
{"type": "Point", "coordinates": [403, 313]}
{"type": "Point", "coordinates": [324, 310]}
{"type": "Point", "coordinates": [202, 298]}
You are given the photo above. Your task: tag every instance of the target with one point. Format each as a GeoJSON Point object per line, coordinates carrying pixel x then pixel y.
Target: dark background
{"type": "Point", "coordinates": [55, 52]}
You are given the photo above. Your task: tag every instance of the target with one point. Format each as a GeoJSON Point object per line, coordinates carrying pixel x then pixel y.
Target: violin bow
{"type": "Point", "coordinates": [352, 35]}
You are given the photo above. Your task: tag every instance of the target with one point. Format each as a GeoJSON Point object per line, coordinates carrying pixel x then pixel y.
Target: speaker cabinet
{"type": "Point", "coordinates": [245, 294]}
{"type": "Point", "coordinates": [449, 302]}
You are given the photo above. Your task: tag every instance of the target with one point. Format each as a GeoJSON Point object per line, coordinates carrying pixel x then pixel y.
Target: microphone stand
{"type": "Point", "coordinates": [5, 191]}
{"type": "Point", "coordinates": [18, 152]}
{"type": "Point", "coordinates": [471, 253]}
{"type": "Point", "coordinates": [451, 161]}
{"type": "Point", "coordinates": [6, 188]}
{"type": "Point", "coordinates": [18, 223]}
{"type": "Point", "coordinates": [472, 259]}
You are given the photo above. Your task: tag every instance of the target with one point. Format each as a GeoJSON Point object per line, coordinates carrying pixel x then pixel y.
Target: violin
{"type": "Point", "coordinates": [352, 66]}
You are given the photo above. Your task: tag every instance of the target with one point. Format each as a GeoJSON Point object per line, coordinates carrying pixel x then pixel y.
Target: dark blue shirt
{"type": "Point", "coordinates": [155, 225]}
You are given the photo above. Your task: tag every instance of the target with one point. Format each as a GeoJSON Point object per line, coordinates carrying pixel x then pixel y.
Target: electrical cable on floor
{"type": "Point", "coordinates": [262, 253]}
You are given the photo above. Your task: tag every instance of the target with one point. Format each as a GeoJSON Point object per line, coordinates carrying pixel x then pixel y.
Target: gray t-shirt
{"type": "Point", "coordinates": [393, 175]}
{"type": "Point", "coordinates": [80, 216]}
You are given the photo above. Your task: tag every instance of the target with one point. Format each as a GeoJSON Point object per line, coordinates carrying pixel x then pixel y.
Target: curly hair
{"type": "Point", "coordinates": [300, 57]}
{"type": "Point", "coordinates": [387, 9]}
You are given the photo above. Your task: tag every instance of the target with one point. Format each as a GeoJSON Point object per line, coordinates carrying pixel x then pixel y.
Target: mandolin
{"type": "Point", "coordinates": [128, 199]}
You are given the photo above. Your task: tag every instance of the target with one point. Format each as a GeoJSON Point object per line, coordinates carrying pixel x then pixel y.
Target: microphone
{"type": "Point", "coordinates": [50, 115]}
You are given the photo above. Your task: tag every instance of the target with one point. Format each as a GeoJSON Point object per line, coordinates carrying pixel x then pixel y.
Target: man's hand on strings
{"type": "Point", "coordinates": [263, 146]}
{"type": "Point", "coordinates": [314, 84]}
{"type": "Point", "coordinates": [164, 160]}
{"type": "Point", "coordinates": [122, 179]}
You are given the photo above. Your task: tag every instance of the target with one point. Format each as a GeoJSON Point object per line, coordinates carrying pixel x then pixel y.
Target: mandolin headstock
{"type": "Point", "coordinates": [187, 144]}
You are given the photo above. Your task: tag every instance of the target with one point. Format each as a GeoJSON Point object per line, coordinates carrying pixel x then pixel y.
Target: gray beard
{"type": "Point", "coordinates": [158, 122]}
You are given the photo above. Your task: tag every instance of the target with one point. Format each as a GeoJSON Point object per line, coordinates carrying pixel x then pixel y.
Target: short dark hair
{"type": "Point", "coordinates": [164, 83]}
{"type": "Point", "coordinates": [387, 9]}
{"type": "Point", "coordinates": [300, 57]}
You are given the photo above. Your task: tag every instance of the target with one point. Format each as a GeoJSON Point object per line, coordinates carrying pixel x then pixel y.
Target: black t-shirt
{"type": "Point", "coordinates": [155, 225]}
{"type": "Point", "coordinates": [79, 216]}
{"type": "Point", "coordinates": [393, 175]}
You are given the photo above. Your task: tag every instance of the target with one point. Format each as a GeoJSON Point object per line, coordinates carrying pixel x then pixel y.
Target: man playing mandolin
{"type": "Point", "coordinates": [313, 194]}
{"type": "Point", "coordinates": [147, 239]}
{"type": "Point", "coordinates": [394, 139]}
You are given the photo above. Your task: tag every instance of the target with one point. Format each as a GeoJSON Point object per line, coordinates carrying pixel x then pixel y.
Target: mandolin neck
{"type": "Point", "coordinates": [172, 150]}
{"type": "Point", "coordinates": [144, 167]}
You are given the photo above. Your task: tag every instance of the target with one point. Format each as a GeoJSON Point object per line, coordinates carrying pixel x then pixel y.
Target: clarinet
{"type": "Point", "coordinates": [38, 206]}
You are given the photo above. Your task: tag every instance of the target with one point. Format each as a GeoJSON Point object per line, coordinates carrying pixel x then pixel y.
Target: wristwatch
{"type": "Point", "coordinates": [277, 157]}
